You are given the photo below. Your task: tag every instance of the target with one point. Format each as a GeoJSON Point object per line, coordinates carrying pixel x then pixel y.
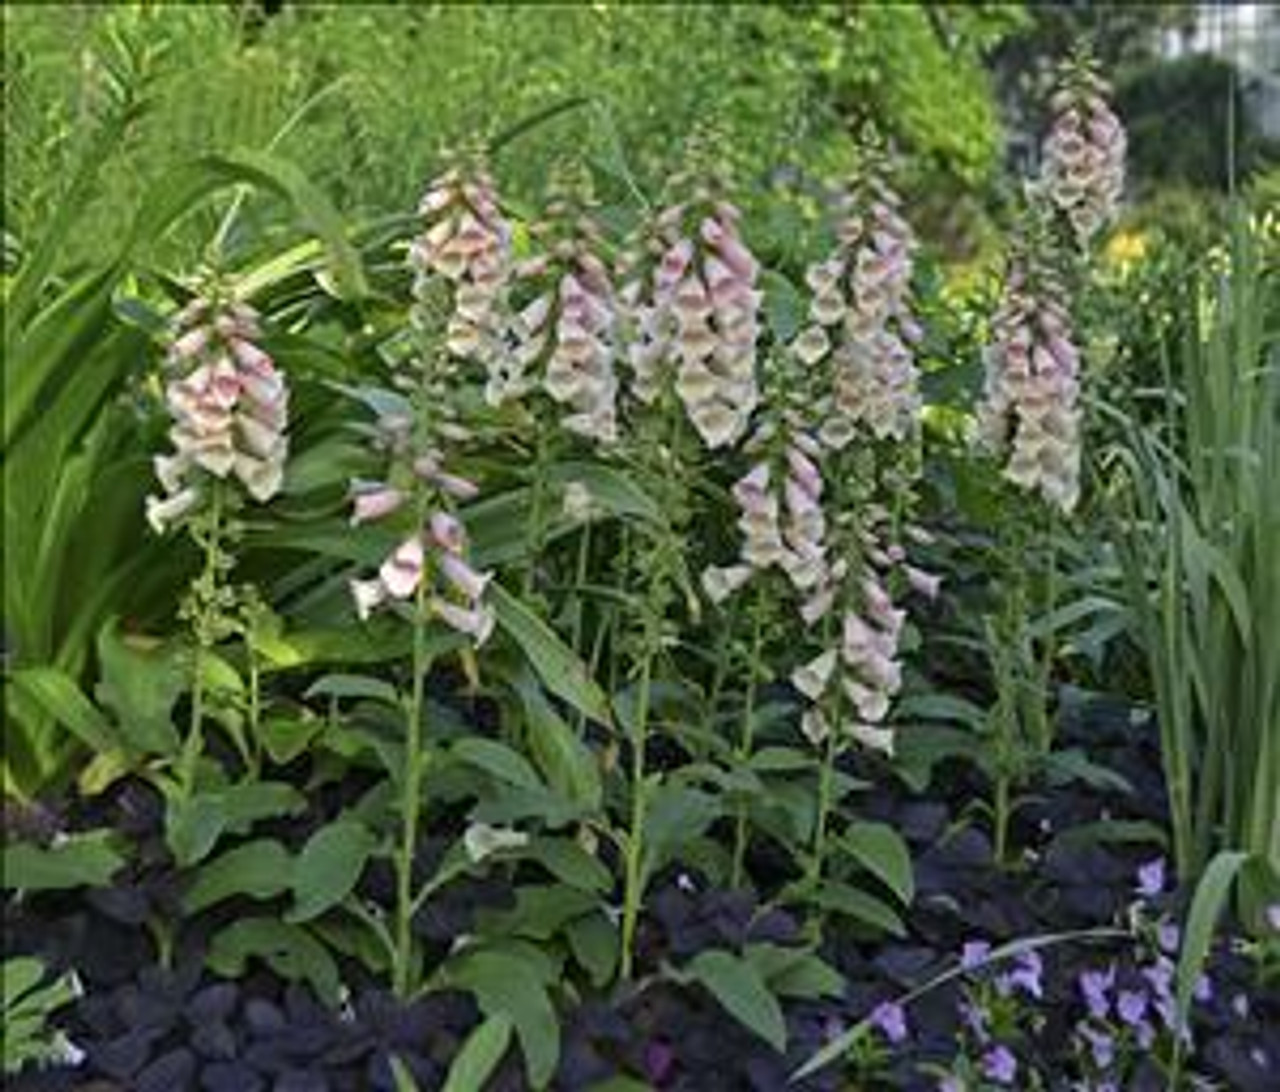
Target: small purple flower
{"type": "Point", "coordinates": [1145, 1034]}
{"type": "Point", "coordinates": [1151, 879]}
{"type": "Point", "coordinates": [1000, 1065]}
{"type": "Point", "coordinates": [1101, 1046]}
{"type": "Point", "coordinates": [1202, 991]}
{"type": "Point", "coordinates": [1131, 1006]}
{"type": "Point", "coordinates": [973, 953]}
{"type": "Point", "coordinates": [1168, 936]}
{"type": "Point", "coordinates": [951, 1083]}
{"type": "Point", "coordinates": [1026, 974]}
{"type": "Point", "coordinates": [890, 1020]}
{"type": "Point", "coordinates": [1094, 988]}
{"type": "Point", "coordinates": [659, 1058]}
{"type": "Point", "coordinates": [1160, 977]}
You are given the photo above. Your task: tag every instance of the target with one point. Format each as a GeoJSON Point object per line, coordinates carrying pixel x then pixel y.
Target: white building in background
{"type": "Point", "coordinates": [1248, 35]}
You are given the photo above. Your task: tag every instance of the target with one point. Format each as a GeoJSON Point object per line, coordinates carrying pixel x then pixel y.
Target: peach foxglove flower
{"type": "Point", "coordinates": [162, 511]}
{"type": "Point", "coordinates": [720, 582]}
{"type": "Point", "coordinates": [475, 622]}
{"type": "Point", "coordinates": [401, 573]}
{"type": "Point", "coordinates": [368, 595]}
{"type": "Point", "coordinates": [229, 407]}
{"type": "Point", "coordinates": [375, 503]}
{"type": "Point", "coordinates": [447, 532]}
{"type": "Point", "coordinates": [811, 679]}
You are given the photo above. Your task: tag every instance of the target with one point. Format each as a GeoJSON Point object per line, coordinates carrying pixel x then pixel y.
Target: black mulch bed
{"type": "Point", "coordinates": [144, 1029]}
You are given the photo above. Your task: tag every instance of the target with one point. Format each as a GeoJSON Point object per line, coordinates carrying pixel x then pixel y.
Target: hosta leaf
{"type": "Point", "coordinates": [259, 870]}
{"type": "Point", "coordinates": [80, 860]}
{"type": "Point", "coordinates": [742, 991]}
{"type": "Point", "coordinates": [480, 1055]}
{"type": "Point", "coordinates": [328, 868]}
{"type": "Point", "coordinates": [882, 852]}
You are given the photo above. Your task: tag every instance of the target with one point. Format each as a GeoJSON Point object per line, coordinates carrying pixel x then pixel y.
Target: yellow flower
{"type": "Point", "coordinates": [1126, 248]}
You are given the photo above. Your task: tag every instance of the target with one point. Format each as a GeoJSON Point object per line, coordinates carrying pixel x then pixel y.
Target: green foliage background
{"type": "Point", "coordinates": [363, 97]}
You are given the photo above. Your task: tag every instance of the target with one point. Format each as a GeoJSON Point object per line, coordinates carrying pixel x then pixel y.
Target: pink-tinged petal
{"type": "Point", "coordinates": [401, 573]}
{"type": "Point", "coordinates": [477, 623]}
{"type": "Point", "coordinates": [463, 577]}
{"type": "Point", "coordinates": [459, 488]}
{"type": "Point", "coordinates": [250, 357]}
{"type": "Point", "coordinates": [925, 583]}
{"type": "Point", "coordinates": [368, 595]}
{"type": "Point", "coordinates": [814, 726]}
{"type": "Point", "coordinates": [803, 472]}
{"type": "Point", "coordinates": [162, 511]}
{"type": "Point", "coordinates": [170, 470]}
{"type": "Point", "coordinates": [261, 477]}
{"type": "Point", "coordinates": [719, 582]}
{"type": "Point", "coordinates": [876, 737]}
{"type": "Point", "coordinates": [815, 608]}
{"type": "Point", "coordinates": [812, 678]}
{"type": "Point", "coordinates": [374, 504]}
{"type": "Point", "coordinates": [447, 532]}
{"type": "Point", "coordinates": [190, 344]}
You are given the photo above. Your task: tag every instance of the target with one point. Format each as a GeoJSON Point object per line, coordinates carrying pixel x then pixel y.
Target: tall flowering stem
{"type": "Point", "coordinates": [427, 577]}
{"type": "Point", "coordinates": [229, 407]}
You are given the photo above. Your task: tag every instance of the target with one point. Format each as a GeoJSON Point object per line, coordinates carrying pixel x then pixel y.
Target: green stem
{"type": "Point", "coordinates": [632, 889]}
{"type": "Point", "coordinates": [204, 603]}
{"type": "Point", "coordinates": [1000, 819]}
{"type": "Point", "coordinates": [411, 806]}
{"type": "Point", "coordinates": [537, 510]}
{"type": "Point", "coordinates": [581, 573]}
{"type": "Point", "coordinates": [826, 790]}
{"type": "Point", "coordinates": [747, 739]}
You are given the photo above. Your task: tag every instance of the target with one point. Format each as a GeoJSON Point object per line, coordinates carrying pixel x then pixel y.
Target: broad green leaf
{"type": "Point", "coordinates": [19, 976]}
{"type": "Point", "coordinates": [328, 868]}
{"type": "Point", "coordinates": [841, 898]}
{"type": "Point", "coordinates": [795, 972]}
{"type": "Point", "coordinates": [560, 670]}
{"type": "Point", "coordinates": [58, 695]}
{"type": "Point", "coordinates": [508, 985]}
{"type": "Point", "coordinates": [539, 912]}
{"type": "Point", "coordinates": [403, 1079]}
{"type": "Point", "coordinates": [354, 686]}
{"type": "Point", "coordinates": [80, 860]}
{"type": "Point", "coordinates": [286, 738]}
{"type": "Point", "coordinates": [289, 950]}
{"type": "Point", "coordinates": [141, 683]}
{"type": "Point", "coordinates": [595, 944]}
{"type": "Point", "coordinates": [882, 852]}
{"type": "Point", "coordinates": [570, 863]}
{"type": "Point", "coordinates": [480, 1055]}
{"type": "Point", "coordinates": [194, 825]}
{"type": "Point", "coordinates": [257, 870]}
{"type": "Point", "coordinates": [498, 760]}
{"type": "Point", "coordinates": [675, 815]}
{"type": "Point", "coordinates": [740, 989]}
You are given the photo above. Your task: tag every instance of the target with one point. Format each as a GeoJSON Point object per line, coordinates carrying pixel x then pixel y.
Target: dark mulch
{"type": "Point", "coordinates": [147, 1029]}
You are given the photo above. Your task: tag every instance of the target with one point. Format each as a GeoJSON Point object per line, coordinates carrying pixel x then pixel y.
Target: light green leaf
{"type": "Point", "coordinates": [289, 950]}
{"type": "Point", "coordinates": [354, 686]}
{"type": "Point", "coordinates": [58, 695]}
{"type": "Point", "coordinates": [194, 825]}
{"type": "Point", "coordinates": [498, 760]}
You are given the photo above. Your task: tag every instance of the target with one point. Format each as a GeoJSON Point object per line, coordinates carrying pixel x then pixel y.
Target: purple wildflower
{"type": "Point", "coordinates": [1000, 1065]}
{"type": "Point", "coordinates": [1131, 1006]}
{"type": "Point", "coordinates": [1094, 988]}
{"type": "Point", "coordinates": [1151, 879]}
{"type": "Point", "coordinates": [951, 1083]}
{"type": "Point", "coordinates": [1202, 991]}
{"type": "Point", "coordinates": [889, 1018]}
{"type": "Point", "coordinates": [1168, 936]}
{"type": "Point", "coordinates": [975, 1020]}
{"type": "Point", "coordinates": [1026, 975]}
{"type": "Point", "coordinates": [1101, 1045]}
{"type": "Point", "coordinates": [973, 953]}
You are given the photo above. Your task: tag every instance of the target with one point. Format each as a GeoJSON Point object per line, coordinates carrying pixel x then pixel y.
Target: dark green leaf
{"type": "Point", "coordinates": [289, 950]}
{"type": "Point", "coordinates": [480, 1055]}
{"type": "Point", "coordinates": [740, 989]}
{"type": "Point", "coordinates": [882, 852]}
{"type": "Point", "coordinates": [257, 870]}
{"type": "Point", "coordinates": [80, 860]}
{"type": "Point", "coordinates": [328, 868]}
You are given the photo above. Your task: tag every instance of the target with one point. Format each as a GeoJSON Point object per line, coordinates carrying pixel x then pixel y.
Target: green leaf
{"type": "Point", "coordinates": [841, 898]}
{"type": "Point", "coordinates": [539, 912]}
{"type": "Point", "coordinates": [354, 686]}
{"type": "Point", "coordinates": [19, 976]}
{"type": "Point", "coordinates": [1207, 905]}
{"type": "Point", "coordinates": [570, 863]}
{"type": "Point", "coordinates": [505, 984]}
{"type": "Point", "coordinates": [400, 1074]}
{"type": "Point", "coordinates": [882, 852]}
{"type": "Point", "coordinates": [676, 814]}
{"type": "Point", "coordinates": [595, 944]}
{"type": "Point", "coordinates": [795, 972]}
{"type": "Point", "coordinates": [737, 985]}
{"type": "Point", "coordinates": [498, 760]}
{"type": "Point", "coordinates": [568, 764]}
{"type": "Point", "coordinates": [141, 683]}
{"type": "Point", "coordinates": [328, 868]}
{"type": "Point", "coordinates": [559, 668]}
{"type": "Point", "coordinates": [80, 860]}
{"type": "Point", "coordinates": [194, 825]}
{"type": "Point", "coordinates": [289, 950]}
{"type": "Point", "coordinates": [259, 870]}
{"type": "Point", "coordinates": [58, 695]}
{"type": "Point", "coordinates": [480, 1055]}
{"type": "Point", "coordinates": [285, 738]}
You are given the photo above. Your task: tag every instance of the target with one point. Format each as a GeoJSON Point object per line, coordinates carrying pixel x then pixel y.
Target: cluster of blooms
{"type": "Point", "coordinates": [467, 241]}
{"type": "Point", "coordinates": [436, 548]}
{"type": "Point", "coordinates": [1083, 172]}
{"type": "Point", "coordinates": [860, 321]}
{"type": "Point", "coordinates": [572, 324]}
{"type": "Point", "coordinates": [701, 313]}
{"type": "Point", "coordinates": [230, 409]}
{"type": "Point", "coordinates": [1033, 386]}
